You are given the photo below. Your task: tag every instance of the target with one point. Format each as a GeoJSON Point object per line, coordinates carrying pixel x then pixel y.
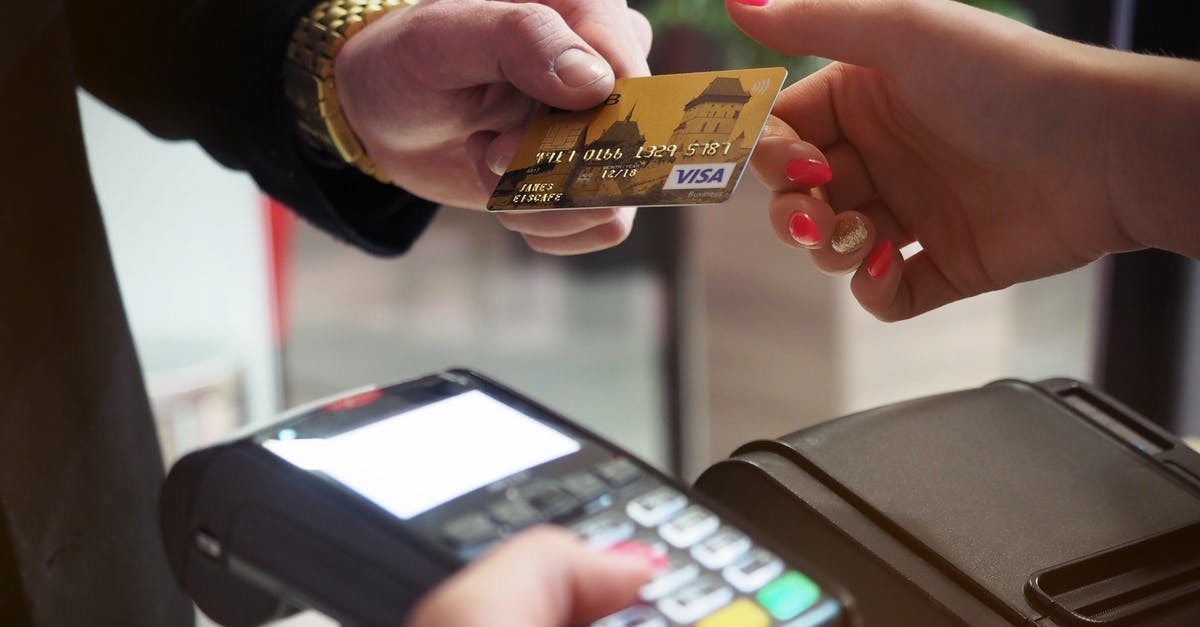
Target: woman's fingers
{"type": "Point", "coordinates": [852, 187]}
{"type": "Point", "coordinates": [800, 220]}
{"type": "Point", "coordinates": [783, 162]}
{"type": "Point", "coordinates": [894, 289]}
{"type": "Point", "coordinates": [838, 243]}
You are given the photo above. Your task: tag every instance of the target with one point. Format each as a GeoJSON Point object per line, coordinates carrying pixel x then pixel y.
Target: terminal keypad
{"type": "Point", "coordinates": [715, 576]}
{"type": "Point", "coordinates": [712, 574]}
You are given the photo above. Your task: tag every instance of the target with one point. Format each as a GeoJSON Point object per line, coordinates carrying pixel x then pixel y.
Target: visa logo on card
{"type": "Point", "coordinates": [673, 139]}
{"type": "Point", "coordinates": [707, 176]}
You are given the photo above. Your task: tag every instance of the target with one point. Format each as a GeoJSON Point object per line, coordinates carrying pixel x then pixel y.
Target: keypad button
{"type": "Point", "coordinates": [515, 513]}
{"type": "Point", "coordinates": [679, 571]}
{"type": "Point", "coordinates": [538, 491]}
{"type": "Point", "coordinates": [618, 472]}
{"type": "Point", "coordinates": [753, 570]}
{"type": "Point", "coordinates": [550, 501]}
{"type": "Point", "coordinates": [696, 600]}
{"type": "Point", "coordinates": [786, 597]}
{"type": "Point", "coordinates": [721, 548]}
{"type": "Point", "coordinates": [654, 555]}
{"type": "Point", "coordinates": [469, 530]}
{"type": "Point", "coordinates": [605, 530]}
{"type": "Point", "coordinates": [636, 616]}
{"type": "Point", "coordinates": [823, 615]}
{"type": "Point", "coordinates": [584, 486]}
{"type": "Point", "coordinates": [650, 537]}
{"type": "Point", "coordinates": [691, 526]}
{"type": "Point", "coordinates": [741, 613]}
{"type": "Point", "coordinates": [656, 506]}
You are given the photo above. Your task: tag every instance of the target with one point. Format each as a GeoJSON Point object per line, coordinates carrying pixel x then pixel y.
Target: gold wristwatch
{"type": "Point", "coordinates": [308, 75]}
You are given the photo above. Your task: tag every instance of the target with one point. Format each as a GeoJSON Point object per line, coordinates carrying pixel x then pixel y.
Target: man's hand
{"type": "Point", "coordinates": [542, 578]}
{"type": "Point", "coordinates": [439, 93]}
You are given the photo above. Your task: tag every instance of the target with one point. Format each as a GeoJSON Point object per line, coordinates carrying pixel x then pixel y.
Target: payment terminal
{"type": "Point", "coordinates": [359, 506]}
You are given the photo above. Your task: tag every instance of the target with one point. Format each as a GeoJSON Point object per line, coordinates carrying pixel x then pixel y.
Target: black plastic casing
{"type": "Point", "coordinates": [1043, 504]}
{"type": "Point", "coordinates": [251, 537]}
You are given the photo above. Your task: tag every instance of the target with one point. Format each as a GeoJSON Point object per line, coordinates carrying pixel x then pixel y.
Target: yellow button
{"type": "Point", "coordinates": [741, 613]}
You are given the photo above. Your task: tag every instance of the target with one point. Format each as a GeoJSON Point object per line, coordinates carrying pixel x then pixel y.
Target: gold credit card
{"type": "Point", "coordinates": [673, 139]}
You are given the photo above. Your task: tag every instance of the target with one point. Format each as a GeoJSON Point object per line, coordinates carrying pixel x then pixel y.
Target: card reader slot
{"type": "Point", "coordinates": [1119, 425]}
{"type": "Point", "coordinates": [293, 562]}
{"type": "Point", "coordinates": [1131, 579]}
{"type": "Point", "coordinates": [1128, 589]}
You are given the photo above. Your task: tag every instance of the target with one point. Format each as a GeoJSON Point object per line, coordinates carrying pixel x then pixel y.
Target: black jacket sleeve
{"type": "Point", "coordinates": [212, 70]}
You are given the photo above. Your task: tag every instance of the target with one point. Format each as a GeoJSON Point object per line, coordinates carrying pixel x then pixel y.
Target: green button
{"type": "Point", "coordinates": [789, 595]}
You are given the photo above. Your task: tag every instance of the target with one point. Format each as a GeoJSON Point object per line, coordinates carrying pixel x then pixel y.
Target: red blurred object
{"type": "Point", "coordinates": [358, 400]}
{"type": "Point", "coordinates": [657, 559]}
{"type": "Point", "coordinates": [280, 223]}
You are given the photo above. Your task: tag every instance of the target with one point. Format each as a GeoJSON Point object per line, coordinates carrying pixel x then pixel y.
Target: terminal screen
{"type": "Point", "coordinates": [413, 461]}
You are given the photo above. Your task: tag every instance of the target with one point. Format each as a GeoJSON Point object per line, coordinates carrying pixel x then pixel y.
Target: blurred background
{"type": "Point", "coordinates": [698, 334]}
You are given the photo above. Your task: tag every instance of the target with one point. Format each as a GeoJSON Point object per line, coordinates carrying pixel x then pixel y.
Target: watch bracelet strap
{"type": "Point", "coordinates": [309, 78]}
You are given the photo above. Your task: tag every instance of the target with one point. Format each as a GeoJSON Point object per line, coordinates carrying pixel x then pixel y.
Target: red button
{"type": "Point", "coordinates": [358, 400]}
{"type": "Point", "coordinates": [656, 558]}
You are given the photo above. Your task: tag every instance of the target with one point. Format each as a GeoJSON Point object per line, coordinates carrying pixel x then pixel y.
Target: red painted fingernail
{"type": "Point", "coordinates": [808, 172]}
{"type": "Point", "coordinates": [754, 3]}
{"type": "Point", "coordinates": [803, 229]}
{"type": "Point", "coordinates": [880, 259]}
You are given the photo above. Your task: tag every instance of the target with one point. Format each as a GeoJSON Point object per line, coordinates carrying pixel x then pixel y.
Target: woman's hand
{"type": "Point", "coordinates": [1007, 153]}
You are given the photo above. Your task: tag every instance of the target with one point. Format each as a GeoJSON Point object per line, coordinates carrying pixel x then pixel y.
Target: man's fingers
{"type": "Point", "coordinates": [556, 223]}
{"type": "Point", "coordinates": [501, 150]}
{"type": "Point", "coordinates": [642, 31]}
{"type": "Point", "coordinates": [470, 43]}
{"type": "Point", "coordinates": [599, 237]}
{"type": "Point", "coordinates": [615, 31]}
{"type": "Point", "coordinates": [542, 578]}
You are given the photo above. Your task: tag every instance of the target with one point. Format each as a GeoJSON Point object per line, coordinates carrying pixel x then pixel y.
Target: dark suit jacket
{"type": "Point", "coordinates": [79, 464]}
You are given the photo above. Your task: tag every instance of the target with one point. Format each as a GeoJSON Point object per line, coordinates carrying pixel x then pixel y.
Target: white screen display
{"type": "Point", "coordinates": [416, 460]}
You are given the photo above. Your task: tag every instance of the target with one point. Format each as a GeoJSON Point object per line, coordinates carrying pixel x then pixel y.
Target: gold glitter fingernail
{"type": "Point", "coordinates": [849, 235]}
